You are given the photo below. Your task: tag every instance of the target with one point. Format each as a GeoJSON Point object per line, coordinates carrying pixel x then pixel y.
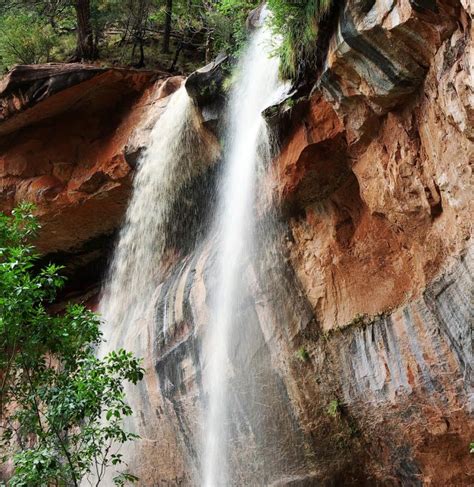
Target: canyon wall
{"type": "Point", "coordinates": [358, 318]}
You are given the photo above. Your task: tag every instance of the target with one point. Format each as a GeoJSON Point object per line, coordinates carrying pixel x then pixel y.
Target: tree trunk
{"type": "Point", "coordinates": [167, 34]}
{"type": "Point", "coordinates": [141, 63]}
{"type": "Point", "coordinates": [85, 48]}
{"type": "Point", "coordinates": [208, 51]}
{"type": "Point", "coordinates": [176, 56]}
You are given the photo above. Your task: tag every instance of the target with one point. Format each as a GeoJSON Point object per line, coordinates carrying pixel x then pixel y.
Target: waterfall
{"type": "Point", "coordinates": [246, 143]}
{"type": "Point", "coordinates": [178, 145]}
{"type": "Point", "coordinates": [178, 150]}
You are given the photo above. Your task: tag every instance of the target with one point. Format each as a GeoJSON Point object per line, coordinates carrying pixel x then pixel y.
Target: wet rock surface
{"type": "Point", "coordinates": [206, 87]}
{"type": "Point", "coordinates": [69, 146]}
{"type": "Point", "coordinates": [369, 403]}
{"type": "Point", "coordinates": [359, 311]}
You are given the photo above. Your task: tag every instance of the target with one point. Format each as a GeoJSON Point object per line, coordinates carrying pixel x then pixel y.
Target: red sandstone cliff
{"type": "Point", "coordinates": [374, 183]}
{"type": "Point", "coordinates": [70, 136]}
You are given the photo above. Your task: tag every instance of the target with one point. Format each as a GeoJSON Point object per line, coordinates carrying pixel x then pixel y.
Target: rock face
{"type": "Point", "coordinates": [381, 53]}
{"type": "Point", "coordinates": [359, 311]}
{"type": "Point", "coordinates": [374, 286]}
{"type": "Point", "coordinates": [382, 212]}
{"type": "Point", "coordinates": [398, 383]}
{"type": "Point", "coordinates": [70, 136]}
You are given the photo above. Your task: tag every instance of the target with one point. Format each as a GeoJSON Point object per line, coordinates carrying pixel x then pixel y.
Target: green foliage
{"type": "Point", "coordinates": [34, 31]}
{"type": "Point", "coordinates": [25, 39]}
{"type": "Point", "coordinates": [471, 447]}
{"type": "Point", "coordinates": [298, 24]}
{"type": "Point", "coordinates": [302, 354]}
{"type": "Point", "coordinates": [226, 22]}
{"type": "Point", "coordinates": [334, 408]}
{"type": "Point", "coordinates": [62, 407]}
{"type": "Point", "coordinates": [131, 31]}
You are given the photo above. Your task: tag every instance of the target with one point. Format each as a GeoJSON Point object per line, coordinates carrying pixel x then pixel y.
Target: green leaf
{"type": "Point", "coordinates": [55, 388]}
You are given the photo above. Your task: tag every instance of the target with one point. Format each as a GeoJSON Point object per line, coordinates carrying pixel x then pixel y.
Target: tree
{"type": "Point", "coordinates": [137, 22]}
{"type": "Point", "coordinates": [61, 407]}
{"type": "Point", "coordinates": [167, 30]}
{"type": "Point", "coordinates": [86, 47]}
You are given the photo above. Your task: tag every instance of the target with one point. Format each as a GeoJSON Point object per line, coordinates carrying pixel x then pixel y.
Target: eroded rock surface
{"type": "Point", "coordinates": [391, 206]}
{"type": "Point", "coordinates": [359, 311]}
{"type": "Point", "coordinates": [381, 53]}
{"type": "Point", "coordinates": [69, 140]}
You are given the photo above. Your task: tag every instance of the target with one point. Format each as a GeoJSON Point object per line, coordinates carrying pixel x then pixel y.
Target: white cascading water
{"type": "Point", "coordinates": [177, 145]}
{"type": "Point", "coordinates": [179, 148]}
{"type": "Point", "coordinates": [256, 88]}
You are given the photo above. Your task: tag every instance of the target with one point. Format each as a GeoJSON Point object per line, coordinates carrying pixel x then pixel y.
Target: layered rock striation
{"type": "Point", "coordinates": [359, 310]}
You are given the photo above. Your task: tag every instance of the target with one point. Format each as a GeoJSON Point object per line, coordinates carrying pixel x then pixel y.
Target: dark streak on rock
{"type": "Point", "coordinates": [421, 5]}
{"type": "Point", "coordinates": [355, 40]}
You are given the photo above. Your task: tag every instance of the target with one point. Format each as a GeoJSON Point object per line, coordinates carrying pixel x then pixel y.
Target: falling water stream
{"type": "Point", "coordinates": [178, 146]}
{"type": "Point", "coordinates": [247, 141]}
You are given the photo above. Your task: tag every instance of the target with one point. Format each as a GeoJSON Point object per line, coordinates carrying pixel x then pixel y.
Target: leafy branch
{"type": "Point", "coordinates": [62, 407]}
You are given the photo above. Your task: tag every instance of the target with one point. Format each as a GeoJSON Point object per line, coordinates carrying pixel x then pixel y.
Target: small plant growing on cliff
{"type": "Point", "coordinates": [302, 354]}
{"type": "Point", "coordinates": [471, 447]}
{"type": "Point", "coordinates": [299, 24]}
{"type": "Point", "coordinates": [61, 406]}
{"type": "Point", "coordinates": [334, 408]}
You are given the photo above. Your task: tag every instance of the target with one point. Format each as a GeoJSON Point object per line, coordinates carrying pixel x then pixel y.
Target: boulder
{"type": "Point", "coordinates": [206, 87]}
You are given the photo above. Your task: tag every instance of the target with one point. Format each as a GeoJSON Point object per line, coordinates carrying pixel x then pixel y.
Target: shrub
{"type": "Point", "coordinates": [62, 407]}
{"type": "Point", "coordinates": [298, 23]}
{"type": "Point", "coordinates": [334, 408]}
{"type": "Point", "coordinates": [25, 39]}
{"type": "Point", "coordinates": [302, 354]}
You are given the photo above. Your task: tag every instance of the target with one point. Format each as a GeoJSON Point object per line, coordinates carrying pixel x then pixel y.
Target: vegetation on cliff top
{"type": "Point", "coordinates": [61, 407]}
{"type": "Point", "coordinates": [174, 35]}
{"type": "Point", "coordinates": [299, 24]}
